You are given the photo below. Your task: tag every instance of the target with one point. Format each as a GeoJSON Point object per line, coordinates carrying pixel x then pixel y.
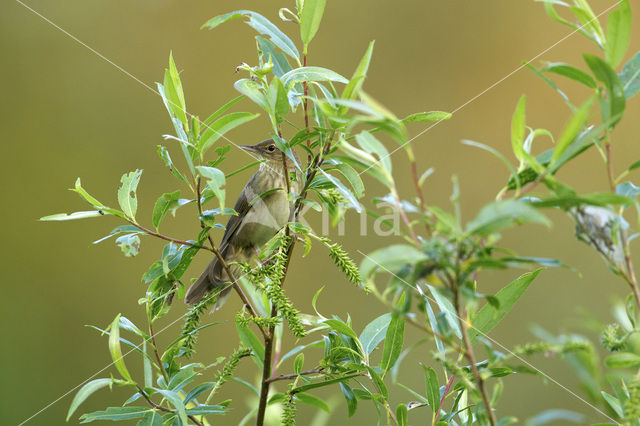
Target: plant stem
{"type": "Point", "coordinates": [444, 395]}
{"type": "Point", "coordinates": [266, 374]}
{"type": "Point", "coordinates": [470, 355]}
{"type": "Point", "coordinates": [306, 106]}
{"type": "Point", "coordinates": [293, 376]}
{"type": "Point", "coordinates": [166, 238]}
{"type": "Point", "coordinates": [155, 351]}
{"type": "Point", "coordinates": [165, 409]}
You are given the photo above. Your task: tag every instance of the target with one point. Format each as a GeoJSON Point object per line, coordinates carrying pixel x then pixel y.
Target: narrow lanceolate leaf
{"type": "Point", "coordinates": [427, 117]}
{"type": "Point", "coordinates": [571, 72]}
{"type": "Point", "coordinates": [323, 383]}
{"type": "Point", "coordinates": [518, 128]}
{"type": "Point", "coordinates": [72, 216]}
{"type": "Point", "coordinates": [630, 76]}
{"type": "Point", "coordinates": [217, 129]}
{"type": "Point", "coordinates": [393, 343]}
{"type": "Point", "coordinates": [374, 333]}
{"type": "Point", "coordinates": [175, 400]}
{"type": "Point", "coordinates": [280, 63]}
{"type": "Point", "coordinates": [173, 95]}
{"type": "Point", "coordinates": [357, 79]}
{"type": "Point", "coordinates": [622, 360]}
{"type": "Point", "coordinates": [310, 19]}
{"type": "Point", "coordinates": [401, 414]}
{"type": "Point", "coordinates": [163, 205]}
{"type": "Point", "coordinates": [262, 25]}
{"type": "Point", "coordinates": [489, 316]}
{"type": "Point", "coordinates": [572, 129]}
{"type": "Point", "coordinates": [127, 193]}
{"type": "Point", "coordinates": [86, 391]}
{"type": "Point", "coordinates": [614, 103]}
{"type": "Point", "coordinates": [116, 414]}
{"type": "Point", "coordinates": [432, 388]}
{"type": "Point", "coordinates": [116, 350]}
{"type": "Point", "coordinates": [391, 259]}
{"type": "Point", "coordinates": [299, 75]}
{"type": "Point", "coordinates": [504, 214]}
{"type": "Point", "coordinates": [373, 146]}
{"type": "Point", "coordinates": [344, 191]}
{"type": "Point", "coordinates": [253, 91]}
{"type": "Point", "coordinates": [618, 30]}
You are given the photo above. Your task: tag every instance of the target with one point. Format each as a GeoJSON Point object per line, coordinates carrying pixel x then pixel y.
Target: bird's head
{"type": "Point", "coordinates": [266, 150]}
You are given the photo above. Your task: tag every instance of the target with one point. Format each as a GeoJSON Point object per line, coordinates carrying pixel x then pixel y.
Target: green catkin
{"type": "Point", "coordinates": [632, 405]}
{"type": "Point", "coordinates": [192, 322]}
{"type": "Point", "coordinates": [229, 367]}
{"type": "Point", "coordinates": [612, 338]}
{"type": "Point", "coordinates": [344, 262]}
{"type": "Point", "coordinates": [289, 412]}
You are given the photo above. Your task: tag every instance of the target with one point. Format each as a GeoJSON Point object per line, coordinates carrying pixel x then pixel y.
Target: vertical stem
{"type": "Point", "coordinates": [155, 351]}
{"type": "Point", "coordinates": [471, 357]}
{"type": "Point", "coordinates": [266, 374]}
{"type": "Point", "coordinates": [444, 395]}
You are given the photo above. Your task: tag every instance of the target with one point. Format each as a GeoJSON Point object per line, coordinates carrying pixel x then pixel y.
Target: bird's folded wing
{"type": "Point", "coordinates": [242, 208]}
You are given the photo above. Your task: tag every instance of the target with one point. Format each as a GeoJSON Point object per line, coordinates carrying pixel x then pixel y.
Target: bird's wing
{"type": "Point", "coordinates": [242, 208]}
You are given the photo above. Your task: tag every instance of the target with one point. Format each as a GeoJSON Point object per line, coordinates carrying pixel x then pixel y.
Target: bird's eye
{"type": "Point", "coordinates": [271, 148]}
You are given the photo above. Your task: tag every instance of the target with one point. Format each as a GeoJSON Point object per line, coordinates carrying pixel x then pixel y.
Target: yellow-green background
{"type": "Point", "coordinates": [67, 113]}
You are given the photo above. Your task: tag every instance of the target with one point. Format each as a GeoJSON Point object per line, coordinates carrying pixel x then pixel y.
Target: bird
{"type": "Point", "coordinates": [263, 208]}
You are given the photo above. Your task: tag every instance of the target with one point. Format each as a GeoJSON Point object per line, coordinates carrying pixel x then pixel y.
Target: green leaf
{"type": "Point", "coordinates": [447, 308]}
{"type": "Point", "coordinates": [277, 98]}
{"type": "Point", "coordinates": [401, 414]}
{"type": "Point", "coordinates": [352, 89]}
{"type": "Point", "coordinates": [517, 129]}
{"type": "Point", "coordinates": [116, 414]}
{"type": "Point", "coordinates": [298, 75]}
{"type": "Point", "coordinates": [224, 108]}
{"type": "Point", "coordinates": [323, 383]}
{"type": "Point", "coordinates": [427, 117]}
{"type": "Point", "coordinates": [129, 244]}
{"type": "Point", "coordinates": [371, 145]}
{"type": "Point", "coordinates": [622, 360]}
{"type": "Point", "coordinates": [72, 216]}
{"type": "Point", "coordinates": [374, 333]}
{"type": "Point", "coordinates": [382, 388]}
{"type": "Point", "coordinates": [350, 398]}
{"type": "Point", "coordinates": [176, 400]}
{"type": "Point", "coordinates": [342, 328]}
{"type": "Point", "coordinates": [253, 91]}
{"type": "Point", "coordinates": [250, 340]}
{"type": "Point", "coordinates": [614, 403]}
{"type": "Point", "coordinates": [163, 205]}
{"type": "Point", "coordinates": [163, 153]}
{"type": "Point", "coordinates": [127, 193]}
{"type": "Point", "coordinates": [314, 401]}
{"type": "Point", "coordinates": [352, 177]}
{"type": "Point", "coordinates": [280, 63]}
{"type": "Point", "coordinates": [217, 129]}
{"type": "Point", "coordinates": [206, 409]}
{"type": "Point", "coordinates": [393, 342]}
{"type": "Point", "coordinates": [343, 190]}
{"type": "Point", "coordinates": [298, 363]}
{"type": "Point", "coordinates": [86, 391]}
{"type": "Point", "coordinates": [433, 389]}
{"type": "Point", "coordinates": [572, 129]}
{"type": "Point", "coordinates": [503, 214]}
{"type": "Point", "coordinates": [571, 72]}
{"type": "Point", "coordinates": [391, 259]}
{"type": "Point", "coordinates": [260, 24]}
{"type": "Point", "coordinates": [116, 350]}
{"type": "Point", "coordinates": [172, 93]}
{"type": "Point", "coordinates": [556, 416]}
{"type": "Point", "coordinates": [310, 19]}
{"type": "Point", "coordinates": [630, 76]}
{"type": "Point", "coordinates": [215, 181]}
{"type": "Point", "coordinates": [618, 30]}
{"type": "Point", "coordinates": [488, 316]}
{"type": "Point", "coordinates": [613, 105]}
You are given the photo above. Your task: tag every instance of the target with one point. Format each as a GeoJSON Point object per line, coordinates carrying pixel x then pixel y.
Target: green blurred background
{"type": "Point", "coordinates": [68, 113]}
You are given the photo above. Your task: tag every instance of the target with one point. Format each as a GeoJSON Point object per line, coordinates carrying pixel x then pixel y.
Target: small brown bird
{"type": "Point", "coordinates": [263, 209]}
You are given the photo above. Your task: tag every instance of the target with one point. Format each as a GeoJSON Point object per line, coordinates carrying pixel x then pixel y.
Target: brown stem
{"type": "Point", "coordinates": [155, 351]}
{"type": "Point", "coordinates": [293, 376]}
{"type": "Point", "coordinates": [633, 282]}
{"type": "Point", "coordinates": [471, 357]}
{"type": "Point", "coordinates": [266, 374]}
{"type": "Point", "coordinates": [164, 237]}
{"type": "Point", "coordinates": [444, 395]}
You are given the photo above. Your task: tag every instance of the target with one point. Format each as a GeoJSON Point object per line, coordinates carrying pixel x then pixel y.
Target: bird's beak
{"type": "Point", "coordinates": [250, 148]}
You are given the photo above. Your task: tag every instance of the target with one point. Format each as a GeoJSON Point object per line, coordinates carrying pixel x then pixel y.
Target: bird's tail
{"type": "Point", "coordinates": [213, 277]}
